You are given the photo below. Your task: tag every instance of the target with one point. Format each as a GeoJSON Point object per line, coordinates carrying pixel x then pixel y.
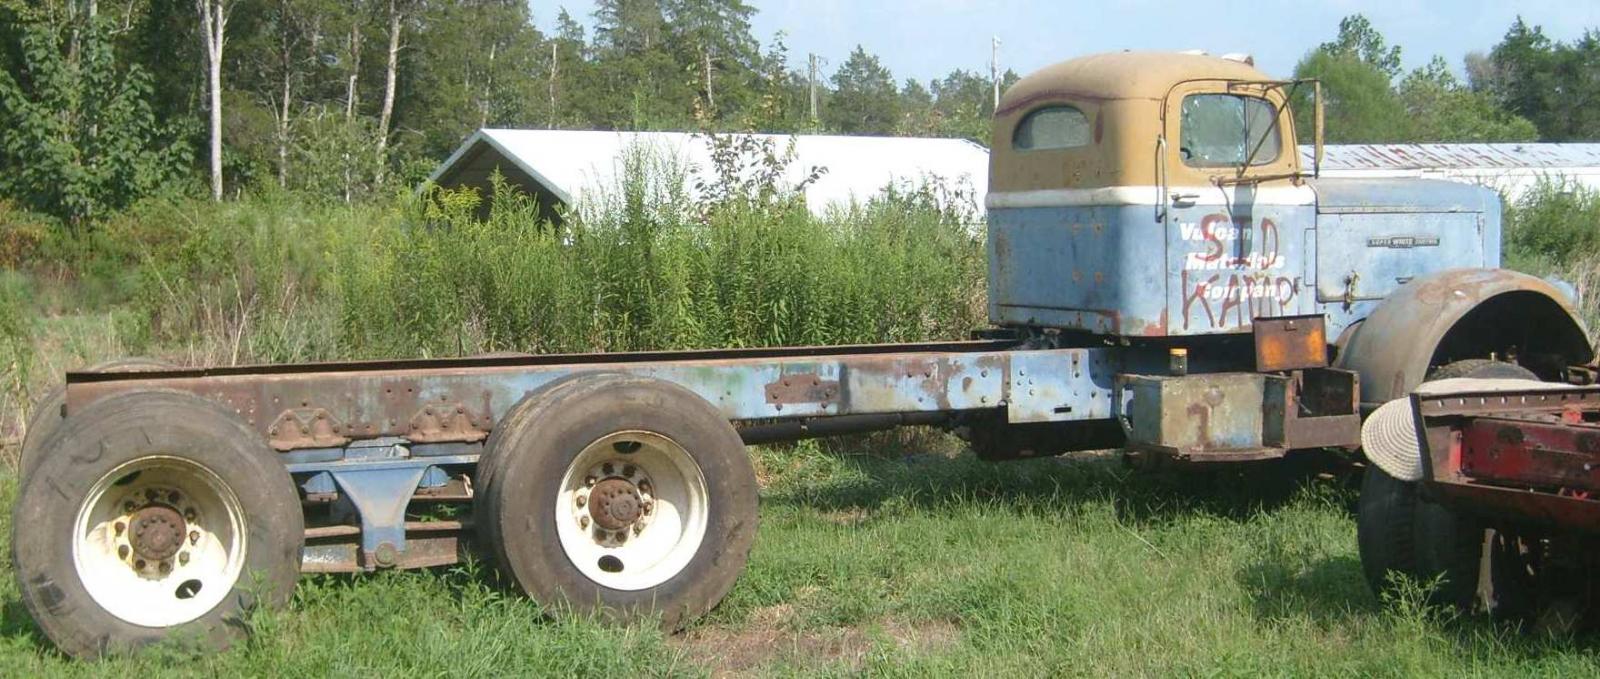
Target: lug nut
{"type": "Point", "coordinates": [120, 526]}
{"type": "Point", "coordinates": [139, 564]}
{"type": "Point", "coordinates": [194, 537]}
{"type": "Point", "coordinates": [582, 500]}
{"type": "Point", "coordinates": [188, 514]}
{"type": "Point", "coordinates": [629, 470]}
{"type": "Point", "coordinates": [644, 486]}
{"type": "Point", "coordinates": [173, 497]}
{"type": "Point", "coordinates": [607, 469]}
{"type": "Point", "coordinates": [122, 552]}
{"type": "Point", "coordinates": [648, 506]}
{"type": "Point", "coordinates": [583, 522]}
{"type": "Point", "coordinates": [638, 528]}
{"type": "Point", "coordinates": [165, 567]}
{"type": "Point", "coordinates": [588, 481]}
{"type": "Point", "coordinates": [152, 495]}
{"type": "Point", "coordinates": [129, 506]}
{"type": "Point", "coordinates": [183, 559]}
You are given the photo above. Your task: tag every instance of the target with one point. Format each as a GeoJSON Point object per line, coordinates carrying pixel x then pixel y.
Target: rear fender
{"type": "Point", "coordinates": [1462, 313]}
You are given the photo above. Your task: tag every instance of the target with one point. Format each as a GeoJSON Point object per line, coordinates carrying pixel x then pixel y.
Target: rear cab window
{"type": "Point", "coordinates": [1226, 130]}
{"type": "Point", "coordinates": [1053, 127]}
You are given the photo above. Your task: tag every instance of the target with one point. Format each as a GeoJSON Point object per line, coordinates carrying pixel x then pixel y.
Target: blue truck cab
{"type": "Point", "coordinates": [1157, 203]}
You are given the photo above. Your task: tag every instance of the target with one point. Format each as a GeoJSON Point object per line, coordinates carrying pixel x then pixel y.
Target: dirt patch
{"type": "Point", "coordinates": [771, 634]}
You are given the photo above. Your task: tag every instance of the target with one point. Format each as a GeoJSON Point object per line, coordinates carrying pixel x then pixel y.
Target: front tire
{"type": "Point", "coordinates": [155, 516]}
{"type": "Point", "coordinates": [1400, 532]}
{"type": "Point", "coordinates": [620, 496]}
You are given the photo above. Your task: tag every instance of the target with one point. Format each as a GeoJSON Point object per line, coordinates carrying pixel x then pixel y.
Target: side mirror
{"type": "Point", "coordinates": [1316, 97]}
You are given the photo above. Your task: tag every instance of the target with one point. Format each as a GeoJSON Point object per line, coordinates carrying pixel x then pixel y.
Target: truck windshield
{"type": "Point", "coordinates": [1222, 130]}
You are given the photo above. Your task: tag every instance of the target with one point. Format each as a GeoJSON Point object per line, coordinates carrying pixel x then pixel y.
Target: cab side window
{"type": "Point", "coordinates": [1052, 127]}
{"type": "Point", "coordinates": [1225, 130]}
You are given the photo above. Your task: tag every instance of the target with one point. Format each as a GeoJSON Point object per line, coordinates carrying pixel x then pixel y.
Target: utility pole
{"type": "Point", "coordinates": [811, 84]}
{"type": "Point", "coordinates": [994, 69]}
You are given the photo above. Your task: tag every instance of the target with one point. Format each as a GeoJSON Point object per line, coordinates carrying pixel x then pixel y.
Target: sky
{"type": "Point", "coordinates": [927, 39]}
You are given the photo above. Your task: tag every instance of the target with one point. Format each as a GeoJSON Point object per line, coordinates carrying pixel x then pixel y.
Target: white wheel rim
{"type": "Point", "coordinates": [632, 510]}
{"type": "Point", "coordinates": [122, 541]}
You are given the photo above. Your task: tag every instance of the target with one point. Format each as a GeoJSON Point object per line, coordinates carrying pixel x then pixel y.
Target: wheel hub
{"type": "Point", "coordinates": [615, 503]}
{"type": "Point", "coordinates": [156, 532]}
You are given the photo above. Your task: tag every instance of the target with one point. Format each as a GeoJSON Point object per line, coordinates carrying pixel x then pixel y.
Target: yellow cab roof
{"type": "Point", "coordinates": [1123, 75]}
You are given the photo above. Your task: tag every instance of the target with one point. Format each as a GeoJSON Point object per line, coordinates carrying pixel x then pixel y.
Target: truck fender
{"type": "Point", "coordinates": [1456, 314]}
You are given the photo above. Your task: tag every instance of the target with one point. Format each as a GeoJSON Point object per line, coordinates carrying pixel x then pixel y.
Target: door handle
{"type": "Point", "coordinates": [1184, 199]}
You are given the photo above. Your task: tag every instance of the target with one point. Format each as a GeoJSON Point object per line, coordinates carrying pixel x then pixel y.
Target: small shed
{"type": "Point", "coordinates": [1513, 169]}
{"type": "Point", "coordinates": [561, 167]}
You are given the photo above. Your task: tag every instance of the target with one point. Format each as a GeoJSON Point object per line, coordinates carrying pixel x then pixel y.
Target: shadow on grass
{"type": "Point", "coordinates": [867, 481]}
{"type": "Point", "coordinates": [17, 623]}
{"type": "Point", "coordinates": [1330, 591]}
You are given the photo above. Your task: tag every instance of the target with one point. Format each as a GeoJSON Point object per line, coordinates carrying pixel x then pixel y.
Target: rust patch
{"type": "Point", "coordinates": [1290, 343]}
{"type": "Point", "coordinates": [305, 428]}
{"type": "Point", "coordinates": [802, 388]}
{"type": "Point", "coordinates": [445, 422]}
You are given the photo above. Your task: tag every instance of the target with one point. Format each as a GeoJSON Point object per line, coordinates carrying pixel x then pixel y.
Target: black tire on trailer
{"type": "Point", "coordinates": [156, 515]}
{"type": "Point", "coordinates": [1400, 532]}
{"type": "Point", "coordinates": [620, 496]}
{"type": "Point", "coordinates": [47, 417]}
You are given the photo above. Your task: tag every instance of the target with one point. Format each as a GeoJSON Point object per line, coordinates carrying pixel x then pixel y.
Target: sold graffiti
{"type": "Point", "coordinates": [1237, 273]}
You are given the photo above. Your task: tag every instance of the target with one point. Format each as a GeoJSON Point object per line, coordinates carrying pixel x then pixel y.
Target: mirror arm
{"type": "Point", "coordinates": [1317, 115]}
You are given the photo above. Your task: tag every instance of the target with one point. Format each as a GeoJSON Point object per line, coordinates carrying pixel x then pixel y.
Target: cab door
{"type": "Point", "coordinates": [1236, 222]}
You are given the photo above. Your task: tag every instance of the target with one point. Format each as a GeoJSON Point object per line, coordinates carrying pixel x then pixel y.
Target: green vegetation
{"type": "Point", "coordinates": [911, 566]}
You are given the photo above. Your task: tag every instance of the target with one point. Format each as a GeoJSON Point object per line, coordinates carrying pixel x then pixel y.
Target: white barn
{"type": "Point", "coordinates": [1513, 169]}
{"type": "Point", "coordinates": [561, 167]}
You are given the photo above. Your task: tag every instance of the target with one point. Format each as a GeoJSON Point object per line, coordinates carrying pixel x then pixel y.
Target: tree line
{"type": "Point", "coordinates": [105, 101]}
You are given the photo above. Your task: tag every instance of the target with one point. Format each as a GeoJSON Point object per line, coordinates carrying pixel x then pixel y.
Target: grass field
{"type": "Point", "coordinates": [931, 563]}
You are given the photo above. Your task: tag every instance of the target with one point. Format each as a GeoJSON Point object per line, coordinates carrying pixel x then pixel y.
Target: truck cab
{"type": "Point", "coordinates": [1160, 202]}
{"type": "Point", "coordinates": [1168, 189]}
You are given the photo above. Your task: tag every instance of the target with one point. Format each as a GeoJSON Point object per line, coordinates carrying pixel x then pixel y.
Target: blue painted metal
{"type": "Point", "coordinates": [433, 477]}
{"type": "Point", "coordinates": [1233, 258]}
{"type": "Point", "coordinates": [1084, 268]}
{"type": "Point", "coordinates": [1083, 260]}
{"type": "Point", "coordinates": [1061, 386]}
{"type": "Point", "coordinates": [1195, 414]}
{"type": "Point", "coordinates": [378, 481]}
{"type": "Point", "coordinates": [319, 483]}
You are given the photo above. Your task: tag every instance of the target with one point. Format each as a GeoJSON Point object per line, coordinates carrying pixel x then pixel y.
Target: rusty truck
{"type": "Point", "coordinates": [1165, 276]}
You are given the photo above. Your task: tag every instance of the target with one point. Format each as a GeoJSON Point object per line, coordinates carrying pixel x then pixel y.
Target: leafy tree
{"type": "Point", "coordinates": [713, 41]}
{"type": "Point", "coordinates": [864, 99]}
{"type": "Point", "coordinates": [1441, 109]}
{"type": "Point", "coordinates": [918, 117]}
{"type": "Point", "coordinates": [1554, 85]}
{"type": "Point", "coordinates": [629, 26]}
{"type": "Point", "coordinates": [1358, 40]}
{"type": "Point", "coordinates": [1360, 105]}
{"type": "Point", "coordinates": [77, 133]}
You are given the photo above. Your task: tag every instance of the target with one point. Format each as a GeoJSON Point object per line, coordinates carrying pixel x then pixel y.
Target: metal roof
{"type": "Point", "coordinates": [565, 165]}
{"type": "Point", "coordinates": [1455, 156]}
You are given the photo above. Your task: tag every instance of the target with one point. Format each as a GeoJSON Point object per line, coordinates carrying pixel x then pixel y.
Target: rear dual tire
{"type": "Point", "coordinates": [47, 415]}
{"type": "Point", "coordinates": [154, 516]}
{"type": "Point", "coordinates": [618, 496]}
